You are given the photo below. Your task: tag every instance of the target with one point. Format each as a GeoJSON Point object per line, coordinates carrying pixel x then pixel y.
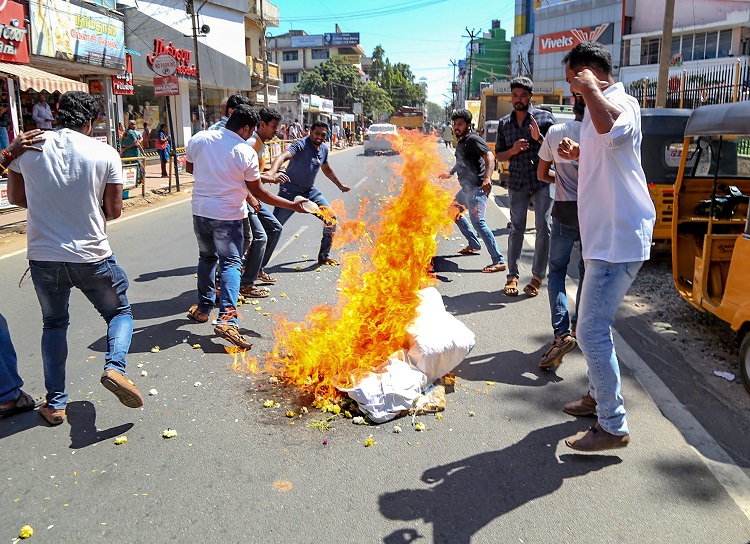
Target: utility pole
{"type": "Point", "coordinates": [453, 84]}
{"type": "Point", "coordinates": [190, 4]}
{"type": "Point", "coordinates": [471, 35]}
{"type": "Point", "coordinates": [264, 53]}
{"type": "Point", "coordinates": [662, 84]}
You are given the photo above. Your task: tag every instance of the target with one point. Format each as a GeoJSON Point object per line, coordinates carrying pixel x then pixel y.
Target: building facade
{"type": "Point", "coordinates": [490, 61]}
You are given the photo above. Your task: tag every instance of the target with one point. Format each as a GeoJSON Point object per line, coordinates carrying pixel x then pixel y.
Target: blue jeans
{"type": "Point", "coordinates": [4, 138]}
{"type": "Point", "coordinates": [604, 287]}
{"type": "Point", "coordinates": [10, 381]}
{"type": "Point", "coordinates": [219, 242]}
{"type": "Point", "coordinates": [283, 215]}
{"type": "Point", "coordinates": [562, 240]}
{"type": "Point", "coordinates": [475, 201]}
{"type": "Point", "coordinates": [519, 205]}
{"type": "Point", "coordinates": [266, 231]}
{"type": "Point", "coordinates": [105, 285]}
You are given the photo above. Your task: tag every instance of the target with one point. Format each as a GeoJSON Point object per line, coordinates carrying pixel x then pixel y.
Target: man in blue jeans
{"type": "Point", "coordinates": [564, 234]}
{"type": "Point", "coordinates": [225, 169]}
{"type": "Point", "coordinates": [70, 190]}
{"type": "Point", "coordinates": [616, 216]}
{"type": "Point", "coordinates": [306, 157]}
{"type": "Point", "coordinates": [474, 166]}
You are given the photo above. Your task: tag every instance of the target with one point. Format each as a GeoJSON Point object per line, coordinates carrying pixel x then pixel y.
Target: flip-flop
{"type": "Point", "coordinates": [494, 267]}
{"type": "Point", "coordinates": [468, 251]}
{"type": "Point", "coordinates": [23, 403]}
{"type": "Point", "coordinates": [329, 261]}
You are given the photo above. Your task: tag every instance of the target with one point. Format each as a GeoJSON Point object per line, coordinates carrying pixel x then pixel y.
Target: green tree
{"type": "Point", "coordinates": [334, 79]}
{"type": "Point", "coordinates": [375, 100]}
{"type": "Point", "coordinates": [435, 113]}
{"type": "Point", "coordinates": [378, 65]}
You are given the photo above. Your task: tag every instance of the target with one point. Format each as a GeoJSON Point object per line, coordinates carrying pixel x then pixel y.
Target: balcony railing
{"type": "Point", "coordinates": [256, 68]}
{"type": "Point", "coordinates": [270, 12]}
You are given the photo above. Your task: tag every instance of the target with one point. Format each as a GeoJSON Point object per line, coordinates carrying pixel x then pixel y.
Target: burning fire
{"type": "Point", "coordinates": [380, 279]}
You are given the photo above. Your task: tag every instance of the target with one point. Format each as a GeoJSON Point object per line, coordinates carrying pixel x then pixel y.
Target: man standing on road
{"type": "Point", "coordinates": [41, 113]}
{"type": "Point", "coordinates": [616, 217]}
{"type": "Point", "coordinates": [474, 166]}
{"type": "Point", "coordinates": [516, 145]}
{"type": "Point", "coordinates": [225, 169]}
{"type": "Point", "coordinates": [265, 228]}
{"type": "Point", "coordinates": [70, 190]}
{"type": "Point", "coordinates": [448, 135]}
{"type": "Point", "coordinates": [306, 157]}
{"type": "Point", "coordinates": [565, 233]}
{"type": "Point", "coordinates": [335, 135]}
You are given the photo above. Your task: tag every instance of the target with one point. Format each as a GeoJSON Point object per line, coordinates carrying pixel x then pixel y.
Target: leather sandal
{"type": "Point", "coordinates": [251, 291]}
{"type": "Point", "coordinates": [532, 289]}
{"type": "Point", "coordinates": [511, 287]}
{"type": "Point", "coordinates": [468, 250]}
{"type": "Point", "coordinates": [52, 416]}
{"type": "Point", "coordinates": [494, 267]}
{"type": "Point", "coordinates": [23, 403]}
{"type": "Point", "coordinates": [329, 261]}
{"type": "Point", "coordinates": [263, 277]}
{"type": "Point", "coordinates": [233, 335]}
{"type": "Point", "coordinates": [197, 315]}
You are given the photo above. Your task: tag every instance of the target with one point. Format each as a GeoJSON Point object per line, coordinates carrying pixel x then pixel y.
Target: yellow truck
{"type": "Point", "coordinates": [411, 118]}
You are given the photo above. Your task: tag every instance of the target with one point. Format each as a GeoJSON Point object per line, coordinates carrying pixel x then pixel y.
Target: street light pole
{"type": "Point", "coordinates": [662, 83]}
{"type": "Point", "coordinates": [201, 110]}
{"type": "Point", "coordinates": [472, 35]}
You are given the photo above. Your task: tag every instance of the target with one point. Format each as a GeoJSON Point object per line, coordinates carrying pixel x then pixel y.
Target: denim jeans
{"type": "Point", "coordinates": [219, 242]}
{"type": "Point", "coordinates": [105, 285]}
{"type": "Point", "coordinates": [283, 215]}
{"type": "Point", "coordinates": [519, 205]}
{"type": "Point", "coordinates": [266, 231]}
{"type": "Point", "coordinates": [475, 201]}
{"type": "Point", "coordinates": [604, 287]}
{"type": "Point", "coordinates": [10, 381]}
{"type": "Point", "coordinates": [4, 138]}
{"type": "Point", "coordinates": [562, 240]}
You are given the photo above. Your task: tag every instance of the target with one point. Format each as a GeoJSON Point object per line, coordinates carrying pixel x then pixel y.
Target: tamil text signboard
{"type": "Point", "coordinates": [341, 38]}
{"type": "Point", "coordinates": [123, 83]}
{"type": "Point", "coordinates": [166, 86]}
{"type": "Point", "coordinates": [13, 41]}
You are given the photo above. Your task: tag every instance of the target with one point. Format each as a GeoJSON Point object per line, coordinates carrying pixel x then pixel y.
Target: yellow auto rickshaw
{"type": "Point", "coordinates": [711, 230]}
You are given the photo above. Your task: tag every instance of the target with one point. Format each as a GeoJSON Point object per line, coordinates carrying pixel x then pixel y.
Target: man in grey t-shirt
{"type": "Point", "coordinates": [70, 190]}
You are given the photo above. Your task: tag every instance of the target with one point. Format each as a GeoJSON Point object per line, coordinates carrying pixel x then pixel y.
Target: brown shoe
{"type": "Point", "coordinates": [560, 346]}
{"type": "Point", "coordinates": [584, 407]}
{"type": "Point", "coordinates": [123, 388]}
{"type": "Point", "coordinates": [53, 417]}
{"type": "Point", "coordinates": [597, 439]}
{"type": "Point", "coordinates": [232, 333]}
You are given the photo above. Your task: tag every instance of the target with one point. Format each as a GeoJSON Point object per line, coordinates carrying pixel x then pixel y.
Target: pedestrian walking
{"type": "Point", "coordinates": [41, 113]}
{"type": "Point", "coordinates": [474, 166]}
{"type": "Point", "coordinates": [616, 217]}
{"type": "Point", "coordinates": [306, 157]}
{"type": "Point", "coordinates": [71, 189]}
{"type": "Point", "coordinates": [225, 169]}
{"type": "Point", "coordinates": [146, 136]}
{"type": "Point", "coordinates": [4, 124]}
{"type": "Point", "coordinates": [265, 228]}
{"type": "Point", "coordinates": [448, 135]}
{"type": "Point", "coordinates": [564, 235]}
{"type": "Point", "coordinates": [163, 148]}
{"type": "Point", "coordinates": [516, 145]}
{"type": "Point", "coordinates": [130, 147]}
{"type": "Point", "coordinates": [335, 135]}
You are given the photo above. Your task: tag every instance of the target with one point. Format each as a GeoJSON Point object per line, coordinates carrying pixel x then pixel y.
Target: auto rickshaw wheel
{"type": "Point", "coordinates": [745, 360]}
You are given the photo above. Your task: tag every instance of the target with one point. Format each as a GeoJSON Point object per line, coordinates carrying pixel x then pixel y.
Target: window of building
{"type": "Point", "coordinates": [650, 51]}
{"type": "Point", "coordinates": [712, 40]}
{"type": "Point", "coordinates": [687, 47]}
{"type": "Point", "coordinates": [291, 77]}
{"type": "Point", "coordinates": [291, 55]}
{"type": "Point", "coordinates": [699, 49]}
{"type": "Point", "coordinates": [320, 54]}
{"type": "Point", "coordinates": [625, 53]}
{"type": "Point", "coordinates": [725, 43]}
{"type": "Point", "coordinates": [676, 44]}
{"type": "Point", "coordinates": [482, 49]}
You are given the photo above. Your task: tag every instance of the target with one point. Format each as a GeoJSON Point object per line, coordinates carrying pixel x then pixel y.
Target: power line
{"type": "Point", "coordinates": [366, 14]}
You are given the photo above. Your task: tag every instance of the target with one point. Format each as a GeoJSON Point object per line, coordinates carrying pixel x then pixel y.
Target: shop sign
{"type": "Point", "coordinates": [326, 106]}
{"type": "Point", "coordinates": [305, 99]}
{"type": "Point", "coordinates": [568, 39]}
{"type": "Point", "coordinates": [129, 176]}
{"type": "Point", "coordinates": [63, 30]}
{"type": "Point", "coordinates": [181, 56]}
{"type": "Point", "coordinates": [342, 38]}
{"type": "Point", "coordinates": [13, 42]}
{"type": "Point", "coordinates": [540, 87]}
{"type": "Point", "coordinates": [307, 41]}
{"type": "Point", "coordinates": [315, 102]}
{"type": "Point", "coordinates": [164, 65]}
{"type": "Point", "coordinates": [123, 84]}
{"type": "Point", "coordinates": [351, 59]}
{"type": "Point", "coordinates": [357, 108]}
{"type": "Point", "coordinates": [166, 86]}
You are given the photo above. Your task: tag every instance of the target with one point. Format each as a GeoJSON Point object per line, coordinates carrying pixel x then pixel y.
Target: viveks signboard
{"type": "Point", "coordinates": [568, 39]}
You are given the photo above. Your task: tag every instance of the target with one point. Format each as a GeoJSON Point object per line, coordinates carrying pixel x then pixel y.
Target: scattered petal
{"type": "Point", "coordinates": [282, 485]}
{"type": "Point", "coordinates": [144, 374]}
{"type": "Point", "coordinates": [197, 384]}
{"type": "Point", "coordinates": [155, 349]}
{"type": "Point", "coordinates": [268, 404]}
{"type": "Point", "coordinates": [196, 346]}
{"type": "Point", "coordinates": [304, 410]}
{"type": "Point", "coordinates": [296, 235]}
{"type": "Point", "coordinates": [26, 532]}
{"type": "Point", "coordinates": [419, 426]}
{"type": "Point", "coordinates": [273, 379]}
{"type": "Point", "coordinates": [169, 433]}
{"type": "Point", "coordinates": [471, 414]}
{"type": "Point", "coordinates": [266, 314]}
{"type": "Point", "coordinates": [369, 441]}
{"type": "Point", "coordinates": [397, 429]}
{"type": "Point", "coordinates": [153, 392]}
{"type": "Point", "coordinates": [488, 382]}
{"type": "Point", "coordinates": [298, 268]}
{"type": "Point", "coordinates": [283, 294]}
{"type": "Point", "coordinates": [290, 413]}
{"type": "Point", "coordinates": [304, 256]}
{"type": "Point", "coordinates": [121, 440]}
{"type": "Point", "coordinates": [325, 442]}
{"type": "Point", "coordinates": [359, 420]}
{"type": "Point", "coordinates": [438, 416]}
{"type": "Point", "coordinates": [272, 299]}
{"type": "Point", "coordinates": [347, 414]}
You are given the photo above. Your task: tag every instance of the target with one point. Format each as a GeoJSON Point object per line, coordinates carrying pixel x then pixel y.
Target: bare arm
{"type": "Point", "coordinates": [261, 193]}
{"type": "Point", "coordinates": [16, 189]}
{"type": "Point", "coordinates": [518, 147]}
{"type": "Point", "coordinates": [278, 162]}
{"type": "Point", "coordinates": [189, 167]}
{"type": "Point", "coordinates": [330, 174]}
{"type": "Point", "coordinates": [112, 204]}
{"type": "Point", "coordinates": [489, 167]}
{"type": "Point", "coordinates": [543, 171]}
{"type": "Point", "coordinates": [603, 113]}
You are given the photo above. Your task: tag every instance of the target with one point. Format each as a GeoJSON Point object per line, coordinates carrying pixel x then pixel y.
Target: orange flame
{"type": "Point", "coordinates": [241, 361]}
{"type": "Point", "coordinates": [380, 279]}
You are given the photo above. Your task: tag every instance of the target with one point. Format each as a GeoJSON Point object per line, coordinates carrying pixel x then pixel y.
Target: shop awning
{"type": "Point", "coordinates": [31, 78]}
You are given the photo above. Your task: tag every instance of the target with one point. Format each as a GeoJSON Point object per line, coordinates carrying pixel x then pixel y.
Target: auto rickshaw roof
{"type": "Point", "coordinates": [732, 118]}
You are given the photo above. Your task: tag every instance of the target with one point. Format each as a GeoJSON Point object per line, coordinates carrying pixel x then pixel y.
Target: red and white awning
{"type": "Point", "coordinates": [39, 80]}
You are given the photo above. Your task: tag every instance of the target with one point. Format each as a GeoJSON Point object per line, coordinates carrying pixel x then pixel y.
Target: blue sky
{"type": "Point", "coordinates": [425, 34]}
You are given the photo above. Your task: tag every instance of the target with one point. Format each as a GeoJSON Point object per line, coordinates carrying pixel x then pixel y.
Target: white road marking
{"type": "Point", "coordinates": [731, 477]}
{"type": "Point", "coordinates": [286, 244]}
{"type": "Point", "coordinates": [360, 182]}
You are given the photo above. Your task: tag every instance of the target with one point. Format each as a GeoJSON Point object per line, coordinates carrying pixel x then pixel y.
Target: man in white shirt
{"type": "Point", "coordinates": [616, 217]}
{"type": "Point", "coordinates": [41, 113]}
{"type": "Point", "coordinates": [71, 189]}
{"type": "Point", "coordinates": [225, 169]}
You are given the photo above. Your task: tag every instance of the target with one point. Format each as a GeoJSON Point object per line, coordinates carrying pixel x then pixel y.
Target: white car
{"type": "Point", "coordinates": [376, 138]}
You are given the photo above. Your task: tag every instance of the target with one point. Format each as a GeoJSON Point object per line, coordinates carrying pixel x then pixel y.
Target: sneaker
{"type": "Point", "coordinates": [597, 439]}
{"type": "Point", "coordinates": [123, 388]}
{"type": "Point", "coordinates": [233, 335]}
{"type": "Point", "coordinates": [584, 407]}
{"type": "Point", "coordinates": [560, 346]}
{"type": "Point", "coordinates": [53, 416]}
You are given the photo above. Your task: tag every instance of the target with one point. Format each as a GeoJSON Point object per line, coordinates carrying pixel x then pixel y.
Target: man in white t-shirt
{"type": "Point", "coordinates": [564, 233]}
{"type": "Point", "coordinates": [616, 216]}
{"type": "Point", "coordinates": [71, 190]}
{"type": "Point", "coordinates": [226, 173]}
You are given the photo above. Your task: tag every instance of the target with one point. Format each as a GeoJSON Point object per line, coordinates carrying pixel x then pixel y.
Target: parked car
{"type": "Point", "coordinates": [377, 138]}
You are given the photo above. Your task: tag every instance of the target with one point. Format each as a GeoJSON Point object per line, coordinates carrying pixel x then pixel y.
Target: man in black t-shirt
{"type": "Point", "coordinates": [474, 166]}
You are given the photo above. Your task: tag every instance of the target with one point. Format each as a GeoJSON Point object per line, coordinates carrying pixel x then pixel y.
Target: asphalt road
{"type": "Point", "coordinates": [493, 469]}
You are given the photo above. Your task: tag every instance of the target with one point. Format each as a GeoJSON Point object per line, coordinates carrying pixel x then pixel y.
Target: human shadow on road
{"type": "Point", "coordinates": [468, 494]}
{"type": "Point", "coordinates": [512, 367]}
{"type": "Point", "coordinates": [173, 273]}
{"type": "Point", "coordinates": [156, 309]}
{"type": "Point", "coordinates": [403, 536]}
{"type": "Point", "coordinates": [305, 265]}
{"type": "Point", "coordinates": [19, 423]}
{"type": "Point", "coordinates": [83, 431]}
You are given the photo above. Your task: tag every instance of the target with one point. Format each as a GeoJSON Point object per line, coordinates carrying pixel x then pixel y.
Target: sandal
{"type": "Point", "coordinates": [494, 267]}
{"type": "Point", "coordinates": [23, 403]}
{"type": "Point", "coordinates": [329, 261]}
{"type": "Point", "coordinates": [251, 291]}
{"type": "Point", "coordinates": [532, 289]}
{"type": "Point", "coordinates": [265, 278]}
{"type": "Point", "coordinates": [123, 388]}
{"type": "Point", "coordinates": [196, 315]}
{"type": "Point", "coordinates": [233, 335]}
{"type": "Point", "coordinates": [51, 415]}
{"type": "Point", "coordinates": [468, 250]}
{"type": "Point", "coordinates": [511, 287]}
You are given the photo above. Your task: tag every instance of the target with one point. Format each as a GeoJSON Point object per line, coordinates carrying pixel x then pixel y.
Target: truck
{"type": "Point", "coordinates": [406, 117]}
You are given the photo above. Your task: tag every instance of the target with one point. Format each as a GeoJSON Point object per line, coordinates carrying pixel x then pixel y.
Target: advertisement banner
{"type": "Point", "coordinates": [123, 84]}
{"type": "Point", "coordinates": [326, 106]}
{"type": "Point", "coordinates": [166, 86]}
{"type": "Point", "coordinates": [4, 204]}
{"type": "Point", "coordinates": [307, 41]}
{"type": "Point", "coordinates": [343, 38]}
{"type": "Point", "coordinates": [13, 40]}
{"type": "Point", "coordinates": [351, 59]}
{"type": "Point", "coordinates": [152, 116]}
{"type": "Point", "coordinates": [568, 39]}
{"type": "Point", "coordinates": [129, 175]}
{"type": "Point", "coordinates": [63, 30]}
